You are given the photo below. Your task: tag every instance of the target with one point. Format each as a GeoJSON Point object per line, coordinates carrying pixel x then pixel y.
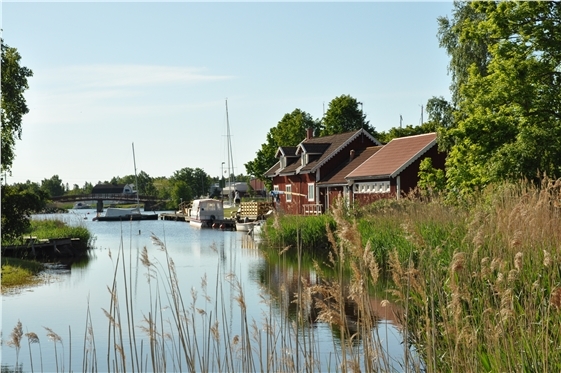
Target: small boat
{"type": "Point", "coordinates": [81, 205]}
{"type": "Point", "coordinates": [124, 214]}
{"type": "Point", "coordinates": [245, 226]}
{"type": "Point", "coordinates": [205, 213]}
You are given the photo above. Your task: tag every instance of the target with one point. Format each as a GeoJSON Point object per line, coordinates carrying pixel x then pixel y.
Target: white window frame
{"type": "Point", "coordinates": [372, 187]}
{"type": "Point", "coordinates": [311, 192]}
{"type": "Point", "coordinates": [288, 190]}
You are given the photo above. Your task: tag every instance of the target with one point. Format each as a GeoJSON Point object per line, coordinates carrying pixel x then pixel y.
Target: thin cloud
{"type": "Point", "coordinates": [123, 76]}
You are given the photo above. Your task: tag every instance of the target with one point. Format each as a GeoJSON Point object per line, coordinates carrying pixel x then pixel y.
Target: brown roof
{"type": "Point", "coordinates": [321, 149]}
{"type": "Point", "coordinates": [287, 151]}
{"type": "Point", "coordinates": [273, 170]}
{"type": "Point", "coordinates": [337, 177]}
{"type": "Point", "coordinates": [394, 157]}
{"type": "Point", "coordinates": [335, 143]}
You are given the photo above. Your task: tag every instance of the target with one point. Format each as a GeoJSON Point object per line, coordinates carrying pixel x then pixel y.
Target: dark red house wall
{"type": "Point", "coordinates": [299, 185]}
{"type": "Point", "coordinates": [410, 176]}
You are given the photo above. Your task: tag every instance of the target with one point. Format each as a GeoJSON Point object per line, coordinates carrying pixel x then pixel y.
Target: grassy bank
{"type": "Point", "coordinates": [54, 228]}
{"type": "Point", "coordinates": [17, 272]}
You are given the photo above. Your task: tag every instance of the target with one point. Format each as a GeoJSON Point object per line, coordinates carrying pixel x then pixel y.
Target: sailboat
{"type": "Point", "coordinates": [123, 214]}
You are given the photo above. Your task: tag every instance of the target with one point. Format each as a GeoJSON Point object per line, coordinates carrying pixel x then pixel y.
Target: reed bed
{"type": "Point", "coordinates": [486, 296]}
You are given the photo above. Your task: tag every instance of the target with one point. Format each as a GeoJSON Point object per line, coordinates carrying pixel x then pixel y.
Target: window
{"type": "Point", "coordinates": [288, 193]}
{"type": "Point", "coordinates": [275, 188]}
{"type": "Point", "coordinates": [311, 192]}
{"type": "Point", "coordinates": [372, 187]}
{"type": "Point", "coordinates": [282, 161]}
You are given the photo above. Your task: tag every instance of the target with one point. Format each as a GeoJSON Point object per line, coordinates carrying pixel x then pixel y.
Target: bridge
{"type": "Point", "coordinates": [148, 201]}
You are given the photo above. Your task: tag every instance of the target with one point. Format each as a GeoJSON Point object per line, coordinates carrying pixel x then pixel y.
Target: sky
{"type": "Point", "coordinates": [107, 75]}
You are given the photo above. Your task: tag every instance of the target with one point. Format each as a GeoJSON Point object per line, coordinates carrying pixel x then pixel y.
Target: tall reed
{"type": "Point", "coordinates": [488, 302]}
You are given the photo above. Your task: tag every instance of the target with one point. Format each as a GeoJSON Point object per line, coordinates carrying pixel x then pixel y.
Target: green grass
{"type": "Point", "coordinates": [18, 272]}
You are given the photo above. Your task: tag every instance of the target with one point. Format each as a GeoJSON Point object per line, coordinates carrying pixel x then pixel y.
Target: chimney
{"type": "Point", "coordinates": [352, 155]}
{"type": "Point", "coordinates": [309, 133]}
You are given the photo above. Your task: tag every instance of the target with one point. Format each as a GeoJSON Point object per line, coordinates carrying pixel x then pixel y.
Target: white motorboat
{"type": "Point", "coordinates": [204, 213]}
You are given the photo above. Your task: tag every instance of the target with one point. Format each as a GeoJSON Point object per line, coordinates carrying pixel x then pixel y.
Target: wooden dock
{"type": "Point", "coordinates": [46, 249]}
{"type": "Point", "coordinates": [174, 216]}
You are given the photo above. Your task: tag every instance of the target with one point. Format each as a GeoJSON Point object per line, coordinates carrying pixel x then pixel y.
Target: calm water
{"type": "Point", "coordinates": [207, 263]}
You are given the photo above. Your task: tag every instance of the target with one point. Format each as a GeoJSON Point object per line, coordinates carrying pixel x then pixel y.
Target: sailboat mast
{"type": "Point", "coordinates": [135, 177]}
{"type": "Point", "coordinates": [230, 158]}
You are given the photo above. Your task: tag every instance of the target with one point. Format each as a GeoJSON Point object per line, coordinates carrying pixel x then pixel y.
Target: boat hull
{"type": "Point", "coordinates": [135, 217]}
{"type": "Point", "coordinates": [245, 227]}
{"type": "Point", "coordinates": [223, 224]}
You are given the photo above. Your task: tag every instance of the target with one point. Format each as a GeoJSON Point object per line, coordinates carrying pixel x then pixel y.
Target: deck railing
{"type": "Point", "coordinates": [312, 209]}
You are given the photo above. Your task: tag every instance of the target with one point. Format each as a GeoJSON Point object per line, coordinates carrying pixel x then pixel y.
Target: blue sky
{"type": "Point", "coordinates": [158, 74]}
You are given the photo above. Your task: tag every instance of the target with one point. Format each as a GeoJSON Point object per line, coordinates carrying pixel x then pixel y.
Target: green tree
{"type": "Point", "coordinates": [181, 191]}
{"type": "Point", "coordinates": [344, 115]}
{"type": "Point", "coordinates": [289, 131]}
{"type": "Point", "coordinates": [509, 116]}
{"type": "Point", "coordinates": [53, 187]}
{"type": "Point", "coordinates": [14, 107]}
{"type": "Point", "coordinates": [18, 203]}
{"type": "Point", "coordinates": [432, 181]}
{"type": "Point", "coordinates": [464, 52]}
{"type": "Point", "coordinates": [146, 185]}
{"type": "Point", "coordinates": [409, 130]}
{"type": "Point", "coordinates": [196, 179]}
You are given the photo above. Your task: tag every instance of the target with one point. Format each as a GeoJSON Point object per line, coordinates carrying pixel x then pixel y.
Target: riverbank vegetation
{"type": "Point", "coordinates": [479, 282]}
{"type": "Point", "coordinates": [51, 229]}
{"type": "Point", "coordinates": [18, 272]}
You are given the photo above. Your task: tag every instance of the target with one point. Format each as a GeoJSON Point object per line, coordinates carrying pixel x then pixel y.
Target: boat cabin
{"type": "Point", "coordinates": [206, 210]}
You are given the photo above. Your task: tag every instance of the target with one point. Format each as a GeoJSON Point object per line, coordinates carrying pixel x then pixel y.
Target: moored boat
{"type": "Point", "coordinates": [124, 214]}
{"type": "Point", "coordinates": [205, 213]}
{"type": "Point", "coordinates": [245, 226]}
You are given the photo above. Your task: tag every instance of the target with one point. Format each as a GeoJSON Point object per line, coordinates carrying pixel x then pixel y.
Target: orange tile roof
{"type": "Point", "coordinates": [394, 157]}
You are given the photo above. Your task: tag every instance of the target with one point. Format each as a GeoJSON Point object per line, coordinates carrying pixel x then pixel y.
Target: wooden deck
{"type": "Point", "coordinates": [46, 249]}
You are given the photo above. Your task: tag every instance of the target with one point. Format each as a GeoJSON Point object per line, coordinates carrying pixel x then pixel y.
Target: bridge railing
{"type": "Point", "coordinates": [105, 197]}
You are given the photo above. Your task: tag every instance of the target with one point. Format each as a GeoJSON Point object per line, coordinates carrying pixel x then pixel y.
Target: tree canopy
{"type": "Point", "coordinates": [197, 181]}
{"type": "Point", "coordinates": [18, 203]}
{"type": "Point", "coordinates": [344, 115]}
{"type": "Point", "coordinates": [289, 131]}
{"type": "Point", "coordinates": [13, 107]}
{"type": "Point", "coordinates": [507, 101]}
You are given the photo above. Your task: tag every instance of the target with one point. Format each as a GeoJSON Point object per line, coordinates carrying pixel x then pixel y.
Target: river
{"type": "Point", "coordinates": [116, 311]}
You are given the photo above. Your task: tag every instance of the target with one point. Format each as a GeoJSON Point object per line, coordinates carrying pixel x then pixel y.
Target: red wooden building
{"type": "Point", "coordinates": [301, 169]}
{"type": "Point", "coordinates": [393, 170]}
